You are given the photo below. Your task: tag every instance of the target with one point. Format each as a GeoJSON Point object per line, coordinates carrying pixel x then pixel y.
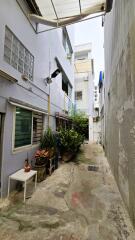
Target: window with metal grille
{"type": "Point", "coordinates": [17, 55]}
{"type": "Point", "coordinates": [28, 127]}
{"type": "Point", "coordinates": [37, 127]}
{"type": "Point", "coordinates": [78, 95]}
{"type": "Point", "coordinates": [23, 127]}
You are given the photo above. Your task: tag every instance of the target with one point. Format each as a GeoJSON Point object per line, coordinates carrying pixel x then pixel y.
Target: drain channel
{"type": "Point", "coordinates": [93, 168]}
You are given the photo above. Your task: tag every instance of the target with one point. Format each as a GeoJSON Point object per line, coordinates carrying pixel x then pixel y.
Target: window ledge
{"type": "Point", "coordinates": [8, 77]}
{"type": "Point", "coordinates": [24, 148]}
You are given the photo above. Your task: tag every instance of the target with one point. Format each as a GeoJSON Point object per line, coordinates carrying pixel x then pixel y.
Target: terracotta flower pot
{"type": "Point", "coordinates": [67, 156]}
{"type": "Point", "coordinates": [41, 172]}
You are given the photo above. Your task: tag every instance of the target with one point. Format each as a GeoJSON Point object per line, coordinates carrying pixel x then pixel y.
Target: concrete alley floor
{"type": "Point", "coordinates": [72, 204]}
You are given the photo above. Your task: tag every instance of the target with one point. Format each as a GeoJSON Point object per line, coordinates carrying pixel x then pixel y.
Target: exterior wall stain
{"type": "Point", "coordinates": [120, 98]}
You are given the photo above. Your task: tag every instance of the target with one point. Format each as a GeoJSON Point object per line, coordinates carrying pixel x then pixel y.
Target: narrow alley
{"type": "Point", "coordinates": [78, 202]}
{"type": "Point", "coordinates": [67, 120]}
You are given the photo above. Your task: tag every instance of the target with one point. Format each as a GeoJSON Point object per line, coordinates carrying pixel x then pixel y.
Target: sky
{"type": "Point", "coordinates": [92, 31]}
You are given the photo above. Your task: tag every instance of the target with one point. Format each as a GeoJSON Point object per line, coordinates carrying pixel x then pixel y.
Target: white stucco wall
{"type": "Point", "coordinates": [44, 47]}
{"type": "Point", "coordinates": [86, 104]}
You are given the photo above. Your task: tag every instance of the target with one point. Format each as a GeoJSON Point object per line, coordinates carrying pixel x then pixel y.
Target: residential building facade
{"type": "Point", "coordinates": [101, 109]}
{"type": "Point", "coordinates": [120, 97]}
{"type": "Point", "coordinates": [84, 83]}
{"type": "Point", "coordinates": [96, 97]}
{"type": "Point", "coordinates": [96, 116]}
{"type": "Point", "coordinates": [30, 96]}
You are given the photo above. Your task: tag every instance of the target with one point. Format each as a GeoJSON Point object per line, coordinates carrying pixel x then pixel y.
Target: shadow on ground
{"type": "Point", "coordinates": [72, 204]}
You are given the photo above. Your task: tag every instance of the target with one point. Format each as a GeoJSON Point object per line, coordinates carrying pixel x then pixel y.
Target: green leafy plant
{"type": "Point", "coordinates": [80, 123]}
{"type": "Point", "coordinates": [48, 140]}
{"type": "Point", "coordinates": [70, 140]}
{"type": "Point", "coordinates": [41, 157]}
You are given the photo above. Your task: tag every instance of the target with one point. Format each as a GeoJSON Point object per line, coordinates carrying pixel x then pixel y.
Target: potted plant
{"type": "Point", "coordinates": [40, 164]}
{"type": "Point", "coordinates": [80, 123]}
{"type": "Point", "coordinates": [70, 143]}
{"type": "Point", "coordinates": [48, 142]}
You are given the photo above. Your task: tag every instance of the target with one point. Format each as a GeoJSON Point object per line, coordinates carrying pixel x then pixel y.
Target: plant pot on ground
{"type": "Point", "coordinates": [41, 157]}
{"type": "Point", "coordinates": [48, 141]}
{"type": "Point", "coordinates": [70, 143]}
{"type": "Point", "coordinates": [68, 156]}
{"type": "Point", "coordinates": [41, 172]}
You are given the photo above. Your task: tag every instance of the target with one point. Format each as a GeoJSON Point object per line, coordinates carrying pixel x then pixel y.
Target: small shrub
{"type": "Point", "coordinates": [70, 140]}
{"type": "Point", "coordinates": [80, 123]}
{"type": "Point", "coordinates": [41, 157]}
{"type": "Point", "coordinates": [48, 140]}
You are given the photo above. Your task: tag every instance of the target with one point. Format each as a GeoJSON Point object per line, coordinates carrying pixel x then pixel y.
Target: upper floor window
{"type": "Point", "coordinates": [81, 56]}
{"type": "Point", "coordinates": [66, 44]}
{"type": "Point", "coordinates": [17, 55]}
{"type": "Point", "coordinates": [78, 95]}
{"type": "Point", "coordinates": [65, 86]}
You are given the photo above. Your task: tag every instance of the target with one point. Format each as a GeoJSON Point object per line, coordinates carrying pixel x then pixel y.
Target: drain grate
{"type": "Point", "coordinates": [93, 168]}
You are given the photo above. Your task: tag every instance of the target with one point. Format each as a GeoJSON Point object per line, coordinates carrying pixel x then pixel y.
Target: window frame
{"type": "Point", "coordinates": [30, 65]}
{"type": "Point", "coordinates": [64, 86]}
{"type": "Point", "coordinates": [41, 117]}
{"type": "Point", "coordinates": [66, 43]}
{"type": "Point", "coordinates": [76, 99]}
{"type": "Point", "coordinates": [19, 149]}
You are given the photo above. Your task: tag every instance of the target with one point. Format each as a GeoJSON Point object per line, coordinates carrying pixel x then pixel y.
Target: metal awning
{"type": "Point", "coordinates": [62, 116]}
{"type": "Point", "coordinates": [19, 103]}
{"type": "Point", "coordinates": [7, 77]}
{"type": "Point", "coordinates": [57, 13]}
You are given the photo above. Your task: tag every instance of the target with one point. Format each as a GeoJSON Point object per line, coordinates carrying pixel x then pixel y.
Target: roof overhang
{"type": "Point", "coordinates": [19, 103]}
{"type": "Point", "coordinates": [109, 4]}
{"type": "Point", "coordinates": [8, 77]}
{"type": "Point", "coordinates": [58, 13]}
{"type": "Point", "coordinates": [62, 116]}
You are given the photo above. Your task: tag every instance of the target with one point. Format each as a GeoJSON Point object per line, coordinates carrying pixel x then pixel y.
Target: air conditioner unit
{"type": "Point", "coordinates": [25, 77]}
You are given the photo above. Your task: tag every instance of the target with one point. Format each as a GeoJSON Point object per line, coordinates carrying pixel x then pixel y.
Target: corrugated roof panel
{"type": "Point", "coordinates": [62, 12]}
{"type": "Point", "coordinates": [66, 8]}
{"type": "Point", "coordinates": [85, 4]}
{"type": "Point", "coordinates": [69, 8]}
{"type": "Point", "coordinates": [46, 9]}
